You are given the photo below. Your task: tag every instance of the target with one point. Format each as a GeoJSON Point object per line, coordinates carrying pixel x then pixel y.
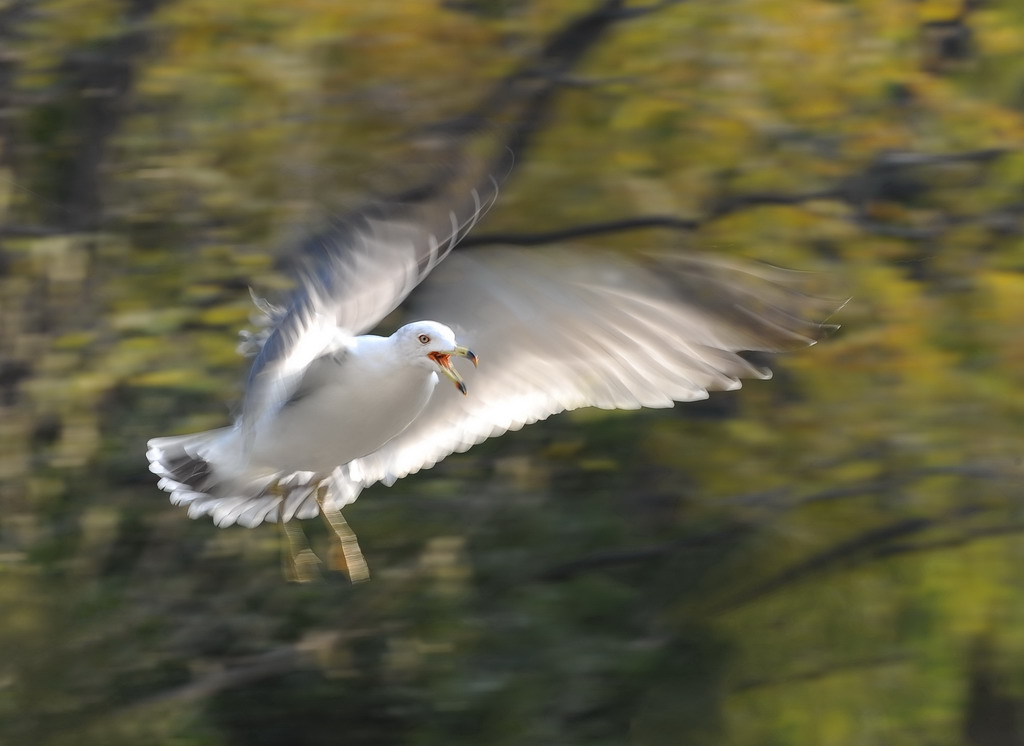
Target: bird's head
{"type": "Point", "coordinates": [431, 345]}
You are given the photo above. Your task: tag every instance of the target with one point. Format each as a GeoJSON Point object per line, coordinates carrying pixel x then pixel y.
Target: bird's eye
{"type": "Point", "coordinates": [424, 338]}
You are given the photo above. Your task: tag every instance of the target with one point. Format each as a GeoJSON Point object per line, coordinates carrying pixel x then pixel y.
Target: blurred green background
{"type": "Point", "coordinates": [831, 557]}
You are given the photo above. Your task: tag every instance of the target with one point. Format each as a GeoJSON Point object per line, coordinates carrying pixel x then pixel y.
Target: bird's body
{"type": "Point", "coordinates": [358, 400]}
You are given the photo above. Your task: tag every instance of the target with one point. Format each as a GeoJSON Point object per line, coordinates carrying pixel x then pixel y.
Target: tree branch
{"type": "Point", "coordinates": [822, 672]}
{"type": "Point", "coordinates": [603, 560]}
{"type": "Point", "coordinates": [876, 543]}
{"type": "Point", "coordinates": [525, 97]}
{"type": "Point", "coordinates": [272, 663]}
{"type": "Point", "coordinates": [855, 191]}
{"type": "Point", "coordinates": [579, 231]}
{"type": "Point", "coordinates": [830, 557]}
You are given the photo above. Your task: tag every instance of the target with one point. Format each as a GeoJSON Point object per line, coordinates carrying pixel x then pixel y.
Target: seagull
{"type": "Point", "coordinates": [330, 410]}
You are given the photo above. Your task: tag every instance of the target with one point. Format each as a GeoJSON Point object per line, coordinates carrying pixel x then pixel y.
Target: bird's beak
{"type": "Point", "coordinates": [444, 362]}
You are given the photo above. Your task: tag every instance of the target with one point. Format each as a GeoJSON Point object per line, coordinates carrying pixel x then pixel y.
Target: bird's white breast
{"type": "Point", "coordinates": [359, 403]}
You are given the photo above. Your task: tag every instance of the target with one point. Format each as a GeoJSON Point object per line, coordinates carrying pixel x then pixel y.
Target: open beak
{"type": "Point", "coordinates": [444, 362]}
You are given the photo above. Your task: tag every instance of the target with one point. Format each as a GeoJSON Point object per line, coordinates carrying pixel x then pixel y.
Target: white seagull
{"type": "Point", "coordinates": [330, 410]}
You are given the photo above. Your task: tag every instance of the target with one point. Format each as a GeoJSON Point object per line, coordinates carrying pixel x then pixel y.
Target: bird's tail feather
{"type": "Point", "coordinates": [190, 470]}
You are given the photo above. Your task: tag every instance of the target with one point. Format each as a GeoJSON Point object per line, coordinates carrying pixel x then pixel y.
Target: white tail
{"type": "Point", "coordinates": [190, 470]}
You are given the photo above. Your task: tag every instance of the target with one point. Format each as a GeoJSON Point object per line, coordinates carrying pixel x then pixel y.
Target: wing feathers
{"type": "Point", "coordinates": [350, 277]}
{"type": "Point", "coordinates": [561, 329]}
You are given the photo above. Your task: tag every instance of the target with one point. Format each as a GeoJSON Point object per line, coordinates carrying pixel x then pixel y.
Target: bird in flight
{"type": "Point", "coordinates": [329, 409]}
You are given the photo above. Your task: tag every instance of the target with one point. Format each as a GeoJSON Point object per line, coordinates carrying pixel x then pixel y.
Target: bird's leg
{"type": "Point", "coordinates": [345, 552]}
{"type": "Point", "coordinates": [299, 563]}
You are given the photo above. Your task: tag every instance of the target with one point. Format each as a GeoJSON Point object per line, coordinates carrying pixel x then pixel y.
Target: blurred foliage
{"type": "Point", "coordinates": [831, 557]}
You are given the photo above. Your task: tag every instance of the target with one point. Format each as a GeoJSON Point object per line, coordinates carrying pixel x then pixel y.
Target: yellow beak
{"type": "Point", "coordinates": [444, 362]}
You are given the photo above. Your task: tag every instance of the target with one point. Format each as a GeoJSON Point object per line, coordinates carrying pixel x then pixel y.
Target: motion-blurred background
{"type": "Point", "coordinates": [831, 557]}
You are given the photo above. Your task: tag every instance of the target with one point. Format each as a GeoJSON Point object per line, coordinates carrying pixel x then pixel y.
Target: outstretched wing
{"type": "Point", "coordinates": [355, 273]}
{"type": "Point", "coordinates": [560, 329]}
